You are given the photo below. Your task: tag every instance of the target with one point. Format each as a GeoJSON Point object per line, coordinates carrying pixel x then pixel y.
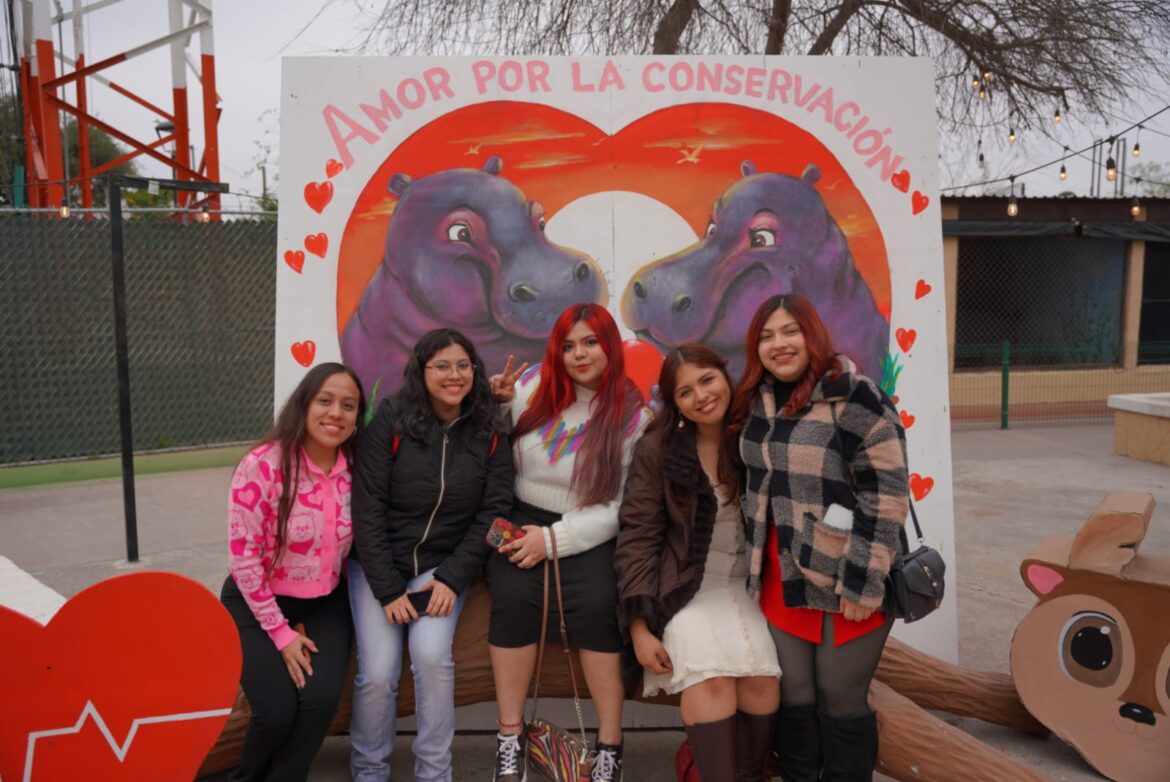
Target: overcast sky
{"type": "Point", "coordinates": [252, 36]}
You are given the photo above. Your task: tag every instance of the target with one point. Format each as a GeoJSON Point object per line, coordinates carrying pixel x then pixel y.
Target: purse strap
{"type": "Point", "coordinates": [913, 513]}
{"type": "Point", "coordinates": [556, 567]}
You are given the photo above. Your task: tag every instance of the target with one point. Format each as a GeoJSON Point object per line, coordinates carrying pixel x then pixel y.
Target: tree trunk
{"type": "Point", "coordinates": [673, 25]}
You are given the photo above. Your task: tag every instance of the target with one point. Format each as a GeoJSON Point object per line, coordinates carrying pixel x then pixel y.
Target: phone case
{"type": "Point", "coordinates": [420, 600]}
{"type": "Point", "coordinates": [503, 531]}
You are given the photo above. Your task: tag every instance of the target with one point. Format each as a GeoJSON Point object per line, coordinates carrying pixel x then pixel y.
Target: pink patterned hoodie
{"type": "Point", "coordinates": [317, 540]}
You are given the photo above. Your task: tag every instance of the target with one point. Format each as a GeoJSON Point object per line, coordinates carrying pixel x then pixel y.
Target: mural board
{"type": "Point", "coordinates": [488, 194]}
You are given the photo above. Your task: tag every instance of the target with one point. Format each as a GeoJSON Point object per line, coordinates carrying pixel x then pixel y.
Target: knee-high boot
{"type": "Point", "coordinates": [798, 743]}
{"type": "Point", "coordinates": [753, 740]}
{"type": "Point", "coordinates": [714, 749]}
{"type": "Point", "coordinates": [850, 746]}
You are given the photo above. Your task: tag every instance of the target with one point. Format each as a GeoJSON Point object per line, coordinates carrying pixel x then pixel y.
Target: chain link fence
{"type": "Point", "coordinates": [200, 313]}
{"type": "Point", "coordinates": [1040, 330]}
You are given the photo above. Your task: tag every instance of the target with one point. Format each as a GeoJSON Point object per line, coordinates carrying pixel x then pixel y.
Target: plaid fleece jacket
{"type": "Point", "coordinates": [798, 469]}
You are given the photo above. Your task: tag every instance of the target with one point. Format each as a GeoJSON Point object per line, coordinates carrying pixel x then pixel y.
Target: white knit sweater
{"type": "Point", "coordinates": [544, 468]}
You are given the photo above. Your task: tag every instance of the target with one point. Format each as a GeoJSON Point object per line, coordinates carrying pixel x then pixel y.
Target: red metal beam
{"type": "Point", "coordinates": [141, 101]}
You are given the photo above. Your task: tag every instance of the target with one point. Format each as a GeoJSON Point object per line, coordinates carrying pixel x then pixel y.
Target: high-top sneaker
{"type": "Point", "coordinates": [607, 764]}
{"type": "Point", "coordinates": [510, 765]}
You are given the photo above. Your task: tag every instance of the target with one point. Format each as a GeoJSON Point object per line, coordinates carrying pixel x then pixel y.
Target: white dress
{"type": "Point", "coordinates": [721, 631]}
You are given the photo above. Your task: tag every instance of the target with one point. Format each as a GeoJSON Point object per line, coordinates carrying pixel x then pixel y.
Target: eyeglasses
{"type": "Point", "coordinates": [443, 368]}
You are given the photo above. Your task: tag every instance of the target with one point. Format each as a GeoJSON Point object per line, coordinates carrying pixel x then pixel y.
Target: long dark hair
{"type": "Point", "coordinates": [822, 358]}
{"type": "Point", "coordinates": [597, 472]}
{"type": "Point", "coordinates": [413, 414]}
{"type": "Point", "coordinates": [665, 424]}
{"type": "Point", "coordinates": [288, 433]}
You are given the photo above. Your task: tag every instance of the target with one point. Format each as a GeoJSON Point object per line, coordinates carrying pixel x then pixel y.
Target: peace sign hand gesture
{"type": "Point", "coordinates": [503, 385]}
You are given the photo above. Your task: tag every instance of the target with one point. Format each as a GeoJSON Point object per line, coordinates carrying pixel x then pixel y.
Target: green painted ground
{"type": "Point", "coordinates": [146, 464]}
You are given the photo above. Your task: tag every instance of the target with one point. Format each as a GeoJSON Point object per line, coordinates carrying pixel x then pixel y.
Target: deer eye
{"type": "Point", "coordinates": [1091, 649]}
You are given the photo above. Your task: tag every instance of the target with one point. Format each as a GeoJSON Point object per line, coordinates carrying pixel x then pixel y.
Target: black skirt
{"type": "Point", "coordinates": [588, 587]}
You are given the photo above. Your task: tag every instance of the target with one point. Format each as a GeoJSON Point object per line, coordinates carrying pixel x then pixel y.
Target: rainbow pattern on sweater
{"type": "Point", "coordinates": [560, 441]}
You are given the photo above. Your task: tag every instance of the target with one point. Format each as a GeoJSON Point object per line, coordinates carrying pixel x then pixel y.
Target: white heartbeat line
{"type": "Point", "coordinates": [90, 712]}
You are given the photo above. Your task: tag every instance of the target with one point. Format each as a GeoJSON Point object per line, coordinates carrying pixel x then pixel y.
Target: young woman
{"type": "Point", "coordinates": [432, 475]}
{"type": "Point", "coordinates": [826, 496]}
{"type": "Point", "coordinates": [575, 422]}
{"type": "Point", "coordinates": [682, 573]}
{"type": "Point", "coordinates": [289, 533]}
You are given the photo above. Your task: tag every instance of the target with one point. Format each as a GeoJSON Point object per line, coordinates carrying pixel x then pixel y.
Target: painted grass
{"type": "Point", "coordinates": [111, 467]}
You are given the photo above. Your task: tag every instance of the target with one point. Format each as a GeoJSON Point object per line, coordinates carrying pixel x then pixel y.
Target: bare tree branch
{"type": "Point", "coordinates": [825, 40]}
{"type": "Point", "coordinates": [778, 26]}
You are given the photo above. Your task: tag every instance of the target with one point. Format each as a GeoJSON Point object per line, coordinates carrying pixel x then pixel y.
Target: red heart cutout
{"type": "Point", "coordinates": [907, 419]}
{"type": "Point", "coordinates": [906, 338]}
{"type": "Point", "coordinates": [901, 180]}
{"type": "Point", "coordinates": [318, 195]}
{"type": "Point", "coordinates": [922, 289]}
{"type": "Point", "coordinates": [333, 168]}
{"type": "Point", "coordinates": [643, 364]}
{"type": "Point", "coordinates": [304, 352]}
{"type": "Point", "coordinates": [895, 399]}
{"type": "Point", "coordinates": [918, 202]}
{"type": "Point", "coordinates": [132, 679]}
{"type": "Point", "coordinates": [295, 260]}
{"type": "Point", "coordinates": [919, 486]}
{"type": "Point", "coordinates": [317, 244]}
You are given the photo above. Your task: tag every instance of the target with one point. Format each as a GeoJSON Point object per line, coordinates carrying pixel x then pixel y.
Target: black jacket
{"type": "Point", "coordinates": [428, 505]}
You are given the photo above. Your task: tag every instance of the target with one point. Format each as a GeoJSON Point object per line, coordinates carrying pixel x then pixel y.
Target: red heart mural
{"type": "Point", "coordinates": [643, 363]}
{"type": "Point", "coordinates": [318, 195]}
{"type": "Point", "coordinates": [922, 289]}
{"type": "Point", "coordinates": [906, 338]}
{"type": "Point", "coordinates": [317, 244]}
{"type": "Point", "coordinates": [907, 419]}
{"type": "Point", "coordinates": [918, 202]}
{"type": "Point", "coordinates": [295, 259]}
{"type": "Point", "coordinates": [333, 168]}
{"type": "Point", "coordinates": [133, 679]}
{"type": "Point", "coordinates": [901, 180]}
{"type": "Point", "coordinates": [919, 486]}
{"type": "Point", "coordinates": [304, 352]}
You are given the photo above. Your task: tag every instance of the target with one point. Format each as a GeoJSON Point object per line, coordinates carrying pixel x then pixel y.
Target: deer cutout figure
{"type": "Point", "coordinates": [1091, 660]}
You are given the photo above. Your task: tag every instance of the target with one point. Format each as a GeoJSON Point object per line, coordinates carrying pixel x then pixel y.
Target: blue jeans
{"type": "Point", "coordinates": [375, 689]}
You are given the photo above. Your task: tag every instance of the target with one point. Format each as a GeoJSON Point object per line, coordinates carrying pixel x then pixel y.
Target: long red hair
{"type": "Point", "coordinates": [597, 471]}
{"type": "Point", "coordinates": [822, 357]}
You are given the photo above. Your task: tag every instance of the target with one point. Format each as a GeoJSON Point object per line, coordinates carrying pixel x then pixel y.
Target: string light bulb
{"type": "Point", "coordinates": [1111, 169]}
{"type": "Point", "coordinates": [979, 160]}
{"type": "Point", "coordinates": [1135, 208]}
{"type": "Point", "coordinates": [1056, 117]}
{"type": "Point", "coordinates": [204, 216]}
{"type": "Point", "coordinates": [1137, 147]}
{"type": "Point", "coordinates": [982, 93]}
{"type": "Point", "coordinates": [1063, 172]}
{"type": "Point", "coordinates": [1013, 207]}
{"type": "Point", "coordinates": [64, 210]}
{"type": "Point", "coordinates": [974, 82]}
{"type": "Point", "coordinates": [987, 76]}
{"type": "Point", "coordinates": [1011, 135]}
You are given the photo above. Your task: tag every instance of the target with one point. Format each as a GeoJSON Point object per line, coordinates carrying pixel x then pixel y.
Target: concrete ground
{"type": "Point", "coordinates": [1012, 489]}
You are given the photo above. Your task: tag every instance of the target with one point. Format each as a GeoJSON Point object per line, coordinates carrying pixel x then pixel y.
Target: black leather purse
{"type": "Point", "coordinates": [916, 582]}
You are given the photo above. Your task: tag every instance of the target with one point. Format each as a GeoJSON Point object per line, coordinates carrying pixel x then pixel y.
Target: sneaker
{"type": "Point", "coordinates": [510, 766]}
{"type": "Point", "coordinates": [607, 764]}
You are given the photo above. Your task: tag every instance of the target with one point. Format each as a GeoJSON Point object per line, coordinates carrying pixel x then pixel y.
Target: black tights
{"type": "Point", "coordinates": [835, 678]}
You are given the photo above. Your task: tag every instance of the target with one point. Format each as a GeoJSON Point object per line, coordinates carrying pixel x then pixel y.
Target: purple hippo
{"type": "Point", "coordinates": [769, 234]}
{"type": "Point", "coordinates": [465, 249]}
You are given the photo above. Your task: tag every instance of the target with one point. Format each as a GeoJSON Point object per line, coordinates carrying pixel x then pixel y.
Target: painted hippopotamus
{"type": "Point", "coordinates": [465, 249]}
{"type": "Point", "coordinates": [769, 234]}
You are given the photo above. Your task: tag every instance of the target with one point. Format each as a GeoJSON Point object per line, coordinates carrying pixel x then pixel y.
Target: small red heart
{"type": "Point", "coordinates": [318, 195]}
{"type": "Point", "coordinates": [919, 486]}
{"type": "Point", "coordinates": [907, 419]}
{"type": "Point", "coordinates": [317, 244]}
{"type": "Point", "coordinates": [901, 180]}
{"type": "Point", "coordinates": [906, 339]}
{"type": "Point", "coordinates": [922, 289]}
{"type": "Point", "coordinates": [304, 352]}
{"type": "Point", "coordinates": [333, 168]}
{"type": "Point", "coordinates": [295, 260]}
{"type": "Point", "coordinates": [918, 202]}
{"type": "Point", "coordinates": [115, 677]}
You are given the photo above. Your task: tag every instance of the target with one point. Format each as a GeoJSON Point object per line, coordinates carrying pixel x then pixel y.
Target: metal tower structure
{"type": "Point", "coordinates": [43, 93]}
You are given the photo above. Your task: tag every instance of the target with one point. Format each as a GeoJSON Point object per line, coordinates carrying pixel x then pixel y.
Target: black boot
{"type": "Point", "coordinates": [713, 746]}
{"type": "Point", "coordinates": [798, 743]}
{"type": "Point", "coordinates": [850, 746]}
{"type": "Point", "coordinates": [753, 739]}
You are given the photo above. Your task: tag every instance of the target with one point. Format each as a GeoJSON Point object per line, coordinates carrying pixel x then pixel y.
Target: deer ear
{"type": "Point", "coordinates": [811, 174]}
{"type": "Point", "coordinates": [493, 165]}
{"type": "Point", "coordinates": [399, 183]}
{"type": "Point", "coordinates": [1041, 577]}
{"type": "Point", "coordinates": [747, 168]}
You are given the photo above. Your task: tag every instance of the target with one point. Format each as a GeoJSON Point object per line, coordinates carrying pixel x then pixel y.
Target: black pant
{"type": "Point", "coordinates": [288, 725]}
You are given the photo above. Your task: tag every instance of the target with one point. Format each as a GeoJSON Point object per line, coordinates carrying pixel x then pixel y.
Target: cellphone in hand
{"type": "Point", "coordinates": [420, 601]}
{"type": "Point", "coordinates": [503, 531]}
